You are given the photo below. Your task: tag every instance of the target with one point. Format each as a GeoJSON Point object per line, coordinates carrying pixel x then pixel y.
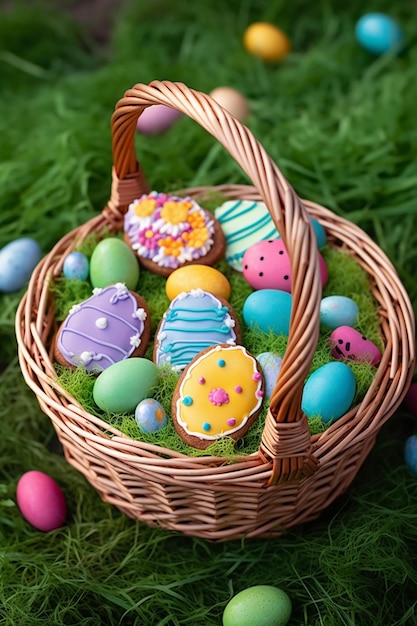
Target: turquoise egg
{"type": "Point", "coordinates": [268, 310]}
{"type": "Point", "coordinates": [338, 311]}
{"type": "Point", "coordinates": [261, 605]}
{"type": "Point", "coordinates": [320, 233]}
{"type": "Point", "coordinates": [150, 415]}
{"type": "Point", "coordinates": [113, 261]}
{"type": "Point", "coordinates": [379, 33]}
{"type": "Point", "coordinates": [18, 259]}
{"type": "Point", "coordinates": [120, 387]}
{"type": "Point", "coordinates": [329, 391]}
{"type": "Point", "coordinates": [76, 266]}
{"type": "Point", "coordinates": [270, 364]}
{"type": "Point", "coordinates": [410, 454]}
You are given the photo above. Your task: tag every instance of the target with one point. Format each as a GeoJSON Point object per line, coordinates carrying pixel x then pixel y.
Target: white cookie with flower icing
{"type": "Point", "coordinates": [168, 232]}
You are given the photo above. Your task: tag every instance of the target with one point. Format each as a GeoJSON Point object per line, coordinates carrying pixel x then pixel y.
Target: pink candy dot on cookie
{"type": "Point", "coordinates": [266, 265]}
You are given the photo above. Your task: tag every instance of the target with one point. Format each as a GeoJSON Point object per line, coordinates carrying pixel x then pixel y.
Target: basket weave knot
{"type": "Point", "coordinates": [287, 445]}
{"type": "Point", "coordinates": [123, 192]}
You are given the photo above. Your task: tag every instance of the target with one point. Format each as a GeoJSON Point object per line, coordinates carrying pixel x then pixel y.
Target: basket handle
{"type": "Point", "coordinates": [286, 439]}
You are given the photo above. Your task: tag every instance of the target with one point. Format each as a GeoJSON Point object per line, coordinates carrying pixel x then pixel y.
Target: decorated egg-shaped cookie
{"type": "Point", "coordinates": [349, 343]}
{"type": "Point", "coordinates": [112, 325]}
{"type": "Point", "coordinates": [266, 265]}
{"type": "Point", "coordinates": [219, 394]}
{"type": "Point", "coordinates": [194, 321]}
{"type": "Point", "coordinates": [168, 232]}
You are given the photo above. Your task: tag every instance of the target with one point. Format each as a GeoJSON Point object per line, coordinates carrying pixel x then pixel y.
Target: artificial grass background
{"type": "Point", "coordinates": [341, 125]}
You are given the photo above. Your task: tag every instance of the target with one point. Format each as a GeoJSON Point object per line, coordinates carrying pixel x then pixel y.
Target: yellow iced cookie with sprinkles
{"type": "Point", "coordinates": [219, 394]}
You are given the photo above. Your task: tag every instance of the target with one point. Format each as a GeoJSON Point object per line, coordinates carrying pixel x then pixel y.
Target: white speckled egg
{"type": "Point", "coordinates": [338, 311]}
{"type": "Point", "coordinates": [329, 391]}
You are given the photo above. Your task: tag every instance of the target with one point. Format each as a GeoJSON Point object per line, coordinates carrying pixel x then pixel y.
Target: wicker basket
{"type": "Point", "coordinates": [292, 477]}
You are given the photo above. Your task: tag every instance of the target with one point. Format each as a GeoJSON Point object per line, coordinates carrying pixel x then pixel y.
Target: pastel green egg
{"type": "Point", "coordinates": [113, 261]}
{"type": "Point", "coordinates": [121, 387]}
{"type": "Point", "coordinates": [261, 605]}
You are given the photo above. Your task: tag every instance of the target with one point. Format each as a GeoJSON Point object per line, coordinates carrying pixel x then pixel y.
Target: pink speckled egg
{"type": "Point", "coordinates": [41, 501]}
{"type": "Point", "coordinates": [349, 343]}
{"type": "Point", "coordinates": [157, 119]}
{"type": "Point", "coordinates": [266, 265]}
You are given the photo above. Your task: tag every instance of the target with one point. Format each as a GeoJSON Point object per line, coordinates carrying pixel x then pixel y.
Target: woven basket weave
{"type": "Point", "coordinates": [292, 477]}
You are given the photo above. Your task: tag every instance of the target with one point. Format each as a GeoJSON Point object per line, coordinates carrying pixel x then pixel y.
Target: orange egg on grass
{"type": "Point", "coordinates": [266, 41]}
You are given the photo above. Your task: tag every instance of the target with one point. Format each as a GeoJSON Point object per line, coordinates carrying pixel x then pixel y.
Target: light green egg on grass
{"type": "Point", "coordinates": [261, 605]}
{"type": "Point", "coordinates": [113, 261]}
{"type": "Point", "coordinates": [120, 387]}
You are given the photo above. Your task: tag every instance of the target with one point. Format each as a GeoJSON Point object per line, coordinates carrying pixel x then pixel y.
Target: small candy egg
{"type": "Point", "coordinates": [76, 266]}
{"type": "Point", "coordinates": [379, 33]}
{"type": "Point", "coordinates": [231, 100]}
{"type": "Point", "coordinates": [266, 41]}
{"type": "Point", "coordinates": [41, 501]}
{"type": "Point", "coordinates": [197, 277]}
{"type": "Point", "coordinates": [270, 364]}
{"type": "Point", "coordinates": [18, 259]}
{"type": "Point", "coordinates": [268, 310]}
{"type": "Point", "coordinates": [410, 454]}
{"type": "Point", "coordinates": [261, 605]}
{"type": "Point", "coordinates": [266, 265]}
{"type": "Point", "coordinates": [338, 311]}
{"type": "Point", "coordinates": [320, 233]}
{"type": "Point", "coordinates": [157, 119]}
{"type": "Point", "coordinates": [410, 400]}
{"type": "Point", "coordinates": [150, 415]}
{"type": "Point", "coordinates": [329, 391]}
{"type": "Point", "coordinates": [121, 387]}
{"type": "Point", "coordinates": [113, 261]}
{"type": "Point", "coordinates": [349, 343]}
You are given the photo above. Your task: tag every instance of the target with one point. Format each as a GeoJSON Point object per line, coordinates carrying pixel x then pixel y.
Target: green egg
{"type": "Point", "coordinates": [113, 261]}
{"type": "Point", "coordinates": [261, 605]}
{"type": "Point", "coordinates": [121, 387]}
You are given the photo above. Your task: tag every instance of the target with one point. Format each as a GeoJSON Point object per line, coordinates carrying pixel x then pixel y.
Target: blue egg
{"type": "Point", "coordinates": [270, 364]}
{"type": "Point", "coordinates": [410, 454]}
{"type": "Point", "coordinates": [338, 311]}
{"type": "Point", "coordinates": [329, 391]}
{"type": "Point", "coordinates": [76, 266]}
{"type": "Point", "coordinates": [18, 259]}
{"type": "Point", "coordinates": [268, 310]}
{"type": "Point", "coordinates": [378, 33]}
{"type": "Point", "coordinates": [320, 233]}
{"type": "Point", "coordinates": [150, 416]}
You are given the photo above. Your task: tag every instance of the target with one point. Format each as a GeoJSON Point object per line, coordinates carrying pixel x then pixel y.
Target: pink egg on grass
{"type": "Point", "coordinates": [157, 119]}
{"type": "Point", "coordinates": [41, 501]}
{"type": "Point", "coordinates": [266, 265]}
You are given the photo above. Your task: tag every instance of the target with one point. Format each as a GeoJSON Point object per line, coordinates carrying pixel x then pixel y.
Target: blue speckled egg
{"type": "Point", "coordinates": [329, 391]}
{"type": "Point", "coordinates": [338, 311]}
{"type": "Point", "coordinates": [268, 310]}
{"type": "Point", "coordinates": [410, 454]}
{"type": "Point", "coordinates": [270, 364]}
{"type": "Point", "coordinates": [76, 266]}
{"type": "Point", "coordinates": [18, 259]}
{"type": "Point", "coordinates": [150, 415]}
{"type": "Point", "coordinates": [379, 33]}
{"type": "Point", "coordinates": [320, 233]}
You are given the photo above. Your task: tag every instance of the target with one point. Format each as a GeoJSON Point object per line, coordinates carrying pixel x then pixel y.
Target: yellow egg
{"type": "Point", "coordinates": [197, 277]}
{"type": "Point", "coordinates": [266, 41]}
{"type": "Point", "coordinates": [231, 100]}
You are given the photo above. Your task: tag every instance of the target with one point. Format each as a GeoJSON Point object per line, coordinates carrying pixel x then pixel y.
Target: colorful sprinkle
{"type": "Point", "coordinates": [206, 426]}
{"type": "Point", "coordinates": [201, 380]}
{"type": "Point", "coordinates": [221, 362]}
{"type": "Point", "coordinates": [231, 421]}
{"type": "Point", "coordinates": [187, 400]}
{"type": "Point", "coordinates": [238, 389]}
{"type": "Point", "coordinates": [257, 376]}
{"type": "Point", "coordinates": [101, 322]}
{"type": "Point", "coordinates": [259, 394]}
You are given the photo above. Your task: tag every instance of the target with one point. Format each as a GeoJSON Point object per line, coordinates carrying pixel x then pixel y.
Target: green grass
{"type": "Point", "coordinates": [341, 126]}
